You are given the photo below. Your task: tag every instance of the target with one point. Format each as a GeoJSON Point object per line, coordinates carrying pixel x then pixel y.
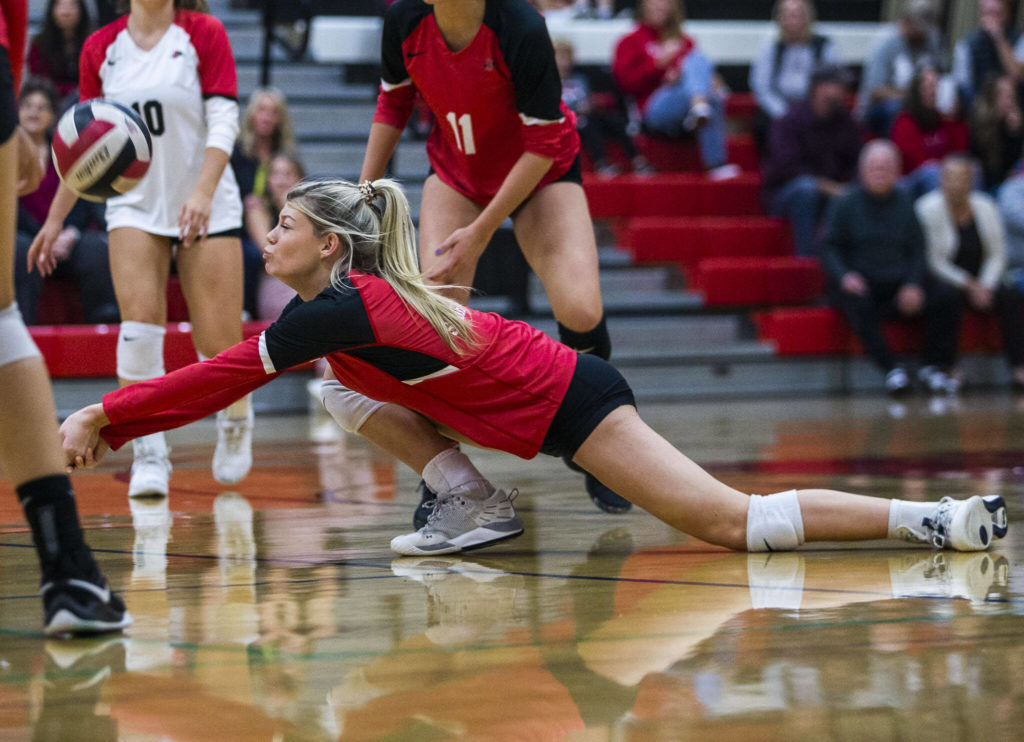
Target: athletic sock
{"type": "Point", "coordinates": [49, 506]}
{"type": "Point", "coordinates": [903, 513]}
{"type": "Point", "coordinates": [594, 341]}
{"type": "Point", "coordinates": [452, 468]}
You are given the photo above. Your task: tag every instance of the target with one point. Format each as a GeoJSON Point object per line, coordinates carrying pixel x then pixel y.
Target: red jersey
{"type": "Point", "coordinates": [13, 27]}
{"type": "Point", "coordinates": [492, 101]}
{"type": "Point", "coordinates": [502, 393]}
{"type": "Point", "coordinates": [919, 146]}
{"type": "Point", "coordinates": [634, 67]}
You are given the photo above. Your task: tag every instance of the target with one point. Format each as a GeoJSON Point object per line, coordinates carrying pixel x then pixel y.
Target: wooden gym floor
{"type": "Point", "coordinates": [276, 612]}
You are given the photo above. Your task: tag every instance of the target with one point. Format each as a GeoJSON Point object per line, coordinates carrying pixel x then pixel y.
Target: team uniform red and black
{"type": "Point", "coordinates": [514, 390]}
{"type": "Point", "coordinates": [169, 86]}
{"type": "Point", "coordinates": [492, 101]}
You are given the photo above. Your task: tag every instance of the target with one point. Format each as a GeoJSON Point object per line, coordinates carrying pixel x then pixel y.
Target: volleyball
{"type": "Point", "coordinates": [101, 149]}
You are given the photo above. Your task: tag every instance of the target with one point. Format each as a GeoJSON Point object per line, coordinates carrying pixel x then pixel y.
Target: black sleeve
{"type": "Point", "coordinates": [395, 30]}
{"type": "Point", "coordinates": [526, 47]}
{"type": "Point", "coordinates": [334, 320]}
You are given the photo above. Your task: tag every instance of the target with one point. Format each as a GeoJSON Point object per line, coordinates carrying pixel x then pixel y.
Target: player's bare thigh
{"type": "Point", "coordinates": [8, 206]}
{"type": "Point", "coordinates": [556, 235]}
{"type": "Point", "coordinates": [140, 263]}
{"type": "Point", "coordinates": [442, 211]}
{"type": "Point", "coordinates": [211, 280]}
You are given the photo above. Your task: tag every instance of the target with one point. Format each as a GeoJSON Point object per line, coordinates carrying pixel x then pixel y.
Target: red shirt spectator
{"type": "Point", "coordinates": [650, 56]}
{"type": "Point", "coordinates": [922, 132]}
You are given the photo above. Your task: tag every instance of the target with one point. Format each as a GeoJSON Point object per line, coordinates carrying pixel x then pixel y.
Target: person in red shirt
{"type": "Point", "coordinates": [53, 52]}
{"type": "Point", "coordinates": [364, 306]}
{"type": "Point", "coordinates": [76, 598]}
{"type": "Point", "coordinates": [924, 135]}
{"type": "Point", "coordinates": [671, 82]}
{"type": "Point", "coordinates": [503, 145]}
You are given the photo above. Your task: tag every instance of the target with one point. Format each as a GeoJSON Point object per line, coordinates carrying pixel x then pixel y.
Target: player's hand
{"type": "Point", "coordinates": [30, 170]}
{"type": "Point", "coordinates": [854, 283]}
{"type": "Point", "coordinates": [194, 219]}
{"type": "Point", "coordinates": [41, 251]}
{"type": "Point", "coordinates": [457, 256]}
{"type": "Point", "coordinates": [64, 243]}
{"type": "Point", "coordinates": [80, 438]}
{"type": "Point", "coordinates": [979, 295]}
{"type": "Point", "coordinates": [910, 299]}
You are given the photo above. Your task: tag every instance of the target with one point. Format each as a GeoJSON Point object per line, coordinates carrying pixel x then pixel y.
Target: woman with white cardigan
{"type": "Point", "coordinates": [966, 248]}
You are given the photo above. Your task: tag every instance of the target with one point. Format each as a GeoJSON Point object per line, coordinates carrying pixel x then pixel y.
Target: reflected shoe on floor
{"type": "Point", "coordinates": [151, 519]}
{"type": "Point", "coordinates": [897, 383]}
{"type": "Point", "coordinates": [604, 497]}
{"type": "Point", "coordinates": [936, 381]}
{"type": "Point", "coordinates": [76, 607]}
{"type": "Point", "coordinates": [460, 521]}
{"type": "Point", "coordinates": [151, 467]}
{"type": "Point", "coordinates": [976, 577]}
{"type": "Point", "coordinates": [962, 525]}
{"type": "Point", "coordinates": [232, 458]}
{"type": "Point", "coordinates": [233, 521]}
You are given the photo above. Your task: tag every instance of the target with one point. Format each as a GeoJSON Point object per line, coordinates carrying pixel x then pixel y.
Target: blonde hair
{"type": "Point", "coordinates": [677, 16]}
{"type": "Point", "coordinates": [380, 241]}
{"type": "Point", "coordinates": [284, 137]}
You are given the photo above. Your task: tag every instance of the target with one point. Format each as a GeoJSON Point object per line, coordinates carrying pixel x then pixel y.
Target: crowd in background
{"type": "Point", "coordinates": [946, 111]}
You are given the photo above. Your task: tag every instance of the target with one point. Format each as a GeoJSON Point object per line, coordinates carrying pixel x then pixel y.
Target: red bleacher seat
{"type": "Point", "coordinates": [689, 240]}
{"type": "Point", "coordinates": [59, 303]}
{"type": "Point", "coordinates": [674, 155]}
{"type": "Point", "coordinates": [816, 331]}
{"type": "Point", "coordinates": [673, 194]}
{"type": "Point", "coordinates": [758, 280]}
{"type": "Point", "coordinates": [89, 350]}
{"type": "Point", "coordinates": [740, 106]}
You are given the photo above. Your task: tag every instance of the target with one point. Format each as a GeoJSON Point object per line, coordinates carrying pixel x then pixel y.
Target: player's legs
{"type": "Point", "coordinates": [442, 211]}
{"type": "Point", "coordinates": [73, 589]}
{"type": "Point", "coordinates": [212, 281]}
{"type": "Point", "coordinates": [628, 455]}
{"type": "Point", "coordinates": [140, 264]}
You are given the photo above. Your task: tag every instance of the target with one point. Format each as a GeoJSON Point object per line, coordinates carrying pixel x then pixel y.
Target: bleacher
{"type": "Point", "coordinates": [702, 290]}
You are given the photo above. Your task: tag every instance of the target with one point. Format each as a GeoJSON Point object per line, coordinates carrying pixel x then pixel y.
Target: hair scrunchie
{"type": "Point", "coordinates": [368, 191]}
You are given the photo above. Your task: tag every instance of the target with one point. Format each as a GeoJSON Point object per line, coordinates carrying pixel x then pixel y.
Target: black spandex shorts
{"type": "Point", "coordinates": [596, 389]}
{"type": "Point", "coordinates": [573, 175]}
{"type": "Point", "coordinates": [175, 242]}
{"type": "Point", "coordinates": [8, 104]}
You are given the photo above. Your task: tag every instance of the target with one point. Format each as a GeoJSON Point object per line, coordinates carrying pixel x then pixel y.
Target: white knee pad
{"type": "Point", "coordinates": [349, 409]}
{"type": "Point", "coordinates": [140, 351]}
{"type": "Point", "coordinates": [16, 344]}
{"type": "Point", "coordinates": [776, 580]}
{"type": "Point", "coordinates": [774, 522]}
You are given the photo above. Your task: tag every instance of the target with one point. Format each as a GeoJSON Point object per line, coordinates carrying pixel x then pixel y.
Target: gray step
{"type": "Point", "coordinates": [325, 121]}
{"type": "Point", "coordinates": [346, 159]}
{"type": "Point", "coordinates": [633, 279]}
{"type": "Point", "coordinates": [296, 80]}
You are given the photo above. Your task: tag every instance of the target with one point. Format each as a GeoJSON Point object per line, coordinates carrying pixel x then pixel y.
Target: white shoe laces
{"type": "Point", "coordinates": [939, 523]}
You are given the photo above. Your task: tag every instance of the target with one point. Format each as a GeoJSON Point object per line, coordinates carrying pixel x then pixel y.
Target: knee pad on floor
{"type": "Point", "coordinates": [776, 580]}
{"type": "Point", "coordinates": [140, 351]}
{"type": "Point", "coordinates": [348, 408]}
{"type": "Point", "coordinates": [774, 522]}
{"type": "Point", "coordinates": [16, 343]}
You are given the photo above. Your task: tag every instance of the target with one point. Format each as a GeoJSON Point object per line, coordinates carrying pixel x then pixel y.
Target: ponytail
{"type": "Point", "coordinates": [374, 223]}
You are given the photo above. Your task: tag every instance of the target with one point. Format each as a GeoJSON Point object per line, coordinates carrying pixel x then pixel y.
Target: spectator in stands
{"type": "Point", "coordinates": [924, 135]}
{"type": "Point", "coordinates": [781, 73]}
{"type": "Point", "coordinates": [966, 249]}
{"type": "Point", "coordinates": [914, 42]}
{"type": "Point", "coordinates": [873, 253]}
{"type": "Point", "coordinates": [1011, 209]}
{"type": "Point", "coordinates": [595, 122]}
{"type": "Point", "coordinates": [81, 248]}
{"type": "Point", "coordinates": [260, 217]}
{"type": "Point", "coordinates": [812, 155]}
{"type": "Point", "coordinates": [993, 49]}
{"type": "Point", "coordinates": [266, 130]}
{"type": "Point", "coordinates": [997, 130]}
{"type": "Point", "coordinates": [53, 52]}
{"type": "Point", "coordinates": [672, 82]}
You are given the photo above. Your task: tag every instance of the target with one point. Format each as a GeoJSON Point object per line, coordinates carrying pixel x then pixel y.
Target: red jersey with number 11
{"type": "Point", "coordinates": [492, 101]}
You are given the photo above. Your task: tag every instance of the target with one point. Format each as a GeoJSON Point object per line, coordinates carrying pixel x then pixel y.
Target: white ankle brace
{"type": "Point", "coordinates": [450, 469]}
{"type": "Point", "coordinates": [774, 522]}
{"type": "Point", "coordinates": [16, 343]}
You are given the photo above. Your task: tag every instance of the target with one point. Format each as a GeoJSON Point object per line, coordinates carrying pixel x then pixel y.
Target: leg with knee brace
{"type": "Point", "coordinates": [774, 522]}
{"type": "Point", "coordinates": [348, 408]}
{"type": "Point", "coordinates": [16, 343]}
{"type": "Point", "coordinates": [140, 351]}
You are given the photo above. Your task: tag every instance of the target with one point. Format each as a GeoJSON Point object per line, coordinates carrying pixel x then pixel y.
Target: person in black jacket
{"type": "Point", "coordinates": [873, 252]}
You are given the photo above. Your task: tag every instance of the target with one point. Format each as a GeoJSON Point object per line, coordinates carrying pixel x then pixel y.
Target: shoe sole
{"type": "Point", "coordinates": [66, 622]}
{"type": "Point", "coordinates": [149, 492]}
{"type": "Point", "coordinates": [982, 522]}
{"type": "Point", "coordinates": [469, 541]}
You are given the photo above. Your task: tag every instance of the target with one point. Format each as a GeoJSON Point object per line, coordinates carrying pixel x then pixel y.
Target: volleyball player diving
{"type": "Point", "coordinates": [349, 252]}
{"type": "Point", "coordinates": [502, 144]}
